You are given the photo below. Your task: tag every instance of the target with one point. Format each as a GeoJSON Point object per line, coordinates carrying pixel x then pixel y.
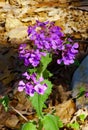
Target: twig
{"type": "Point", "coordinates": [19, 113]}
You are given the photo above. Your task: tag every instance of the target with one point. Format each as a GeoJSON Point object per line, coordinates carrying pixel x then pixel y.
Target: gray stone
{"type": "Point", "coordinates": [80, 80]}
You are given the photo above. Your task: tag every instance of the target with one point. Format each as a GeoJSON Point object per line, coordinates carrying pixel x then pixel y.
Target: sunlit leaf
{"type": "Point", "coordinates": [74, 125]}
{"type": "Point", "coordinates": [82, 117]}
{"type": "Point", "coordinates": [50, 122]}
{"type": "Point", "coordinates": [45, 60]}
{"type": "Point", "coordinates": [29, 126]}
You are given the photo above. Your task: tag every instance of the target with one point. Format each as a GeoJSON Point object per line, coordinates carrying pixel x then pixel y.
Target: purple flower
{"type": "Point", "coordinates": [41, 79]}
{"type": "Point", "coordinates": [21, 86]}
{"type": "Point", "coordinates": [74, 48]}
{"type": "Point", "coordinates": [33, 78]}
{"type": "Point", "coordinates": [68, 54]}
{"type": "Point", "coordinates": [41, 24]}
{"type": "Point", "coordinates": [26, 75]}
{"type": "Point", "coordinates": [46, 36]}
{"type": "Point", "coordinates": [29, 89]}
{"type": "Point", "coordinates": [70, 40]}
{"type": "Point", "coordinates": [40, 88]}
{"type": "Point", "coordinates": [86, 94]}
{"type": "Point", "coordinates": [32, 84]}
{"type": "Point", "coordinates": [22, 47]}
{"type": "Point", "coordinates": [22, 50]}
{"type": "Point", "coordinates": [30, 57]}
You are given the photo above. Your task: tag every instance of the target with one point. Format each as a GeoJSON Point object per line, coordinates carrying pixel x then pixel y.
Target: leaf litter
{"type": "Point", "coordinates": [60, 101]}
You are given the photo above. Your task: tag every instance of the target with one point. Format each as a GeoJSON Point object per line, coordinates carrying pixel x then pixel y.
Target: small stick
{"type": "Point", "coordinates": [19, 113]}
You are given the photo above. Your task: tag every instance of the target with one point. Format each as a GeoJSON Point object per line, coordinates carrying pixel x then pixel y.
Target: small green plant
{"type": "Point", "coordinates": [29, 126]}
{"type": "Point", "coordinates": [5, 101]}
{"type": "Point", "coordinates": [82, 117]}
{"type": "Point", "coordinates": [81, 92]}
{"type": "Point", "coordinates": [75, 125]}
{"type": "Point", "coordinates": [48, 122]}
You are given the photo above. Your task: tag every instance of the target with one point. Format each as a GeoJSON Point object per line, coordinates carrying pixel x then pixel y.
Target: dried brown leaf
{"type": "Point", "coordinates": [12, 121]}
{"type": "Point", "coordinates": [65, 110]}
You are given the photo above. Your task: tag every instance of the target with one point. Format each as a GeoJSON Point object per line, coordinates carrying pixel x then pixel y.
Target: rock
{"type": "Point", "coordinates": [80, 80]}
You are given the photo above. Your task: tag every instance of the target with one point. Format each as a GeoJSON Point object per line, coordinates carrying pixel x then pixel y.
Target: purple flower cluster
{"type": "Point", "coordinates": [68, 54]}
{"type": "Point", "coordinates": [30, 57]}
{"type": "Point", "coordinates": [32, 85]}
{"type": "Point", "coordinates": [46, 36]}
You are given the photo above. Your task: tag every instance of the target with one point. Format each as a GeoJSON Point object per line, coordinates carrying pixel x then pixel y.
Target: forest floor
{"type": "Point", "coordinates": [14, 20]}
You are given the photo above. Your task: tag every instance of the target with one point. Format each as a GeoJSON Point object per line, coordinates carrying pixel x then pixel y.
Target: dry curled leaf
{"type": "Point", "coordinates": [65, 110]}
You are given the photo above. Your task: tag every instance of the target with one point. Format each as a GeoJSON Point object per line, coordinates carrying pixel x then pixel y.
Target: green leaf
{"type": "Point", "coordinates": [29, 126]}
{"type": "Point", "coordinates": [74, 125]}
{"type": "Point", "coordinates": [82, 117]}
{"type": "Point", "coordinates": [77, 63]}
{"type": "Point", "coordinates": [39, 100]}
{"type": "Point", "coordinates": [60, 123]}
{"type": "Point", "coordinates": [36, 100]}
{"type": "Point", "coordinates": [47, 74]}
{"type": "Point", "coordinates": [5, 101]}
{"type": "Point", "coordinates": [33, 70]}
{"type": "Point", "coordinates": [81, 92]}
{"type": "Point", "coordinates": [50, 122]}
{"type": "Point", "coordinates": [45, 60]}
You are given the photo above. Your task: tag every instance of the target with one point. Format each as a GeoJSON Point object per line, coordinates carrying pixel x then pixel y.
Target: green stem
{"type": "Point", "coordinates": [39, 105]}
{"type": "Point", "coordinates": [40, 125]}
{"type": "Point", "coordinates": [40, 113]}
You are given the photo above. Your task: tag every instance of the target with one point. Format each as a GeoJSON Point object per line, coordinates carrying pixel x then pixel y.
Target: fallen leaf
{"type": "Point", "coordinates": [65, 110]}
{"type": "Point", "coordinates": [18, 33]}
{"type": "Point", "coordinates": [12, 22]}
{"type": "Point", "coordinates": [12, 121]}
